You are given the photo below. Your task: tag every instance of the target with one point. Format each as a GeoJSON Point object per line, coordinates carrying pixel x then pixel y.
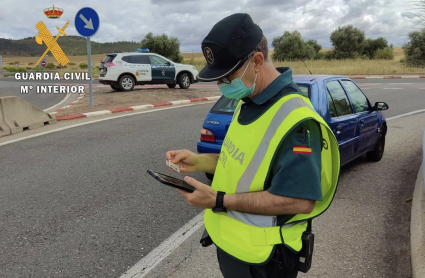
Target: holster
{"type": "Point", "coordinates": [205, 239]}
{"type": "Point", "coordinates": [285, 259]}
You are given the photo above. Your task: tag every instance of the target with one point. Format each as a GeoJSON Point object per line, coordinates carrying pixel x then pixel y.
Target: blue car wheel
{"type": "Point", "coordinates": [378, 152]}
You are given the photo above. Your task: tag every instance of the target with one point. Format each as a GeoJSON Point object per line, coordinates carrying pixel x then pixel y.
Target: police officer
{"type": "Point", "coordinates": [279, 163]}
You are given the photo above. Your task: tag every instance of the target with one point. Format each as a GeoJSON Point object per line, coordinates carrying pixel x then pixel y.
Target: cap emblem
{"type": "Point", "coordinates": [209, 55]}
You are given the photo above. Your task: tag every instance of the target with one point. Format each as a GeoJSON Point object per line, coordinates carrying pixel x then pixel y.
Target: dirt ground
{"type": "Point", "coordinates": [104, 98]}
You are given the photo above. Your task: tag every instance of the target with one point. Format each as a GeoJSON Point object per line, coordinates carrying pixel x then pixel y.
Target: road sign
{"type": "Point", "coordinates": [87, 22]}
{"type": "Point", "coordinates": [43, 63]}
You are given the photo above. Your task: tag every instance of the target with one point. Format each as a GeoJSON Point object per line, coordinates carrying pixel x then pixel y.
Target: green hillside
{"type": "Point", "coordinates": [71, 45]}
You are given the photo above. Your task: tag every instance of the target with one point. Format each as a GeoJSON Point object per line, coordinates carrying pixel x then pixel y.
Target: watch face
{"type": "Point", "coordinates": [218, 210]}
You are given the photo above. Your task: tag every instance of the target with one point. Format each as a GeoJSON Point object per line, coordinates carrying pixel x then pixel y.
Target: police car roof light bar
{"type": "Point", "coordinates": [142, 50]}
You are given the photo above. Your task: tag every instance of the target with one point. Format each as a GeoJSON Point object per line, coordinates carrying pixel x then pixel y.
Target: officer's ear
{"type": "Point", "coordinates": [258, 61]}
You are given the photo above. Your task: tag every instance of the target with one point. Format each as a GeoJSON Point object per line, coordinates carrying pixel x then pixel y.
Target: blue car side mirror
{"type": "Point", "coordinates": [380, 106]}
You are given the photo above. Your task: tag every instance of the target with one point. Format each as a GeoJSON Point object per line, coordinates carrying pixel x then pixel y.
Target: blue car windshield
{"type": "Point", "coordinates": [227, 106]}
{"type": "Point", "coordinates": [304, 89]}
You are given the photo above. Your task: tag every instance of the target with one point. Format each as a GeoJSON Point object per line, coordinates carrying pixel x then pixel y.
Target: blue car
{"type": "Point", "coordinates": [359, 126]}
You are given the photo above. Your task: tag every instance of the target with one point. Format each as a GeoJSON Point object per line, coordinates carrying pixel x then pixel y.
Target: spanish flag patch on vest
{"type": "Point", "coordinates": [301, 150]}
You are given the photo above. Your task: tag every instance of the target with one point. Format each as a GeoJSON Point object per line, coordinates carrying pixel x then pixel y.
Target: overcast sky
{"type": "Point", "coordinates": [191, 20]}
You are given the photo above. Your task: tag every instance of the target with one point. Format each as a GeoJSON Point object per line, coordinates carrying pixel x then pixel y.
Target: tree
{"type": "Point", "coordinates": [291, 47]}
{"type": "Point", "coordinates": [414, 49]}
{"type": "Point", "coordinates": [168, 47]}
{"type": "Point", "coordinates": [348, 42]}
{"type": "Point", "coordinates": [317, 47]}
{"type": "Point", "coordinates": [372, 46]}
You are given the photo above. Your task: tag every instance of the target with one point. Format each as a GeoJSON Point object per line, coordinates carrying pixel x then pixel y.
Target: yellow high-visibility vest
{"type": "Point", "coordinates": [245, 161]}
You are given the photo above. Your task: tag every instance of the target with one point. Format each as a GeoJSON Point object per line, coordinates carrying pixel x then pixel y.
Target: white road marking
{"type": "Point", "coordinates": [405, 115]}
{"type": "Point", "coordinates": [392, 88]}
{"type": "Point", "coordinates": [60, 103]}
{"type": "Point", "coordinates": [145, 265]}
{"type": "Point", "coordinates": [365, 88]}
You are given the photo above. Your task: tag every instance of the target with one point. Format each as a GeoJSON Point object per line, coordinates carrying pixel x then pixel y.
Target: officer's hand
{"type": "Point", "coordinates": [203, 197]}
{"type": "Point", "coordinates": [186, 160]}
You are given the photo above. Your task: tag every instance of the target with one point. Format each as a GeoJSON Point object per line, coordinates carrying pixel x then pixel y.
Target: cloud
{"type": "Point", "coordinates": [191, 20]}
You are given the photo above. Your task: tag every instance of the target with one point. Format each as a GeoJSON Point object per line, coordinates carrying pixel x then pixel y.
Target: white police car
{"type": "Point", "coordinates": [122, 71]}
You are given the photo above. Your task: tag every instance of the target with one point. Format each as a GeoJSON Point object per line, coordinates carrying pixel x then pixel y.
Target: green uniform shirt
{"type": "Point", "coordinates": [292, 174]}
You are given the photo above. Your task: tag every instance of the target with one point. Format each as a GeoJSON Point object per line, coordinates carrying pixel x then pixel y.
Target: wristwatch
{"type": "Point", "coordinates": [219, 203]}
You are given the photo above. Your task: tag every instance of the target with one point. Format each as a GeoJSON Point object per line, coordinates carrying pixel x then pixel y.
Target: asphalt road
{"type": "Point", "coordinates": [79, 202]}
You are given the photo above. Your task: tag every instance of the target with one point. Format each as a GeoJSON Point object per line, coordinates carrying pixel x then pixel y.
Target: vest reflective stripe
{"type": "Point", "coordinates": [243, 166]}
{"type": "Point", "coordinates": [246, 180]}
{"type": "Point", "coordinates": [250, 172]}
{"type": "Point", "coordinates": [253, 219]}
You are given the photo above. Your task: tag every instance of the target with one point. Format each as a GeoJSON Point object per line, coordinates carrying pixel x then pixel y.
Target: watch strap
{"type": "Point", "coordinates": [219, 202]}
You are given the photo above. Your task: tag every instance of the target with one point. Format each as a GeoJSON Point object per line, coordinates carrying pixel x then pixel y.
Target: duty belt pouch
{"type": "Point", "coordinates": [284, 260]}
{"type": "Point", "coordinates": [206, 239]}
{"type": "Point", "coordinates": [306, 253]}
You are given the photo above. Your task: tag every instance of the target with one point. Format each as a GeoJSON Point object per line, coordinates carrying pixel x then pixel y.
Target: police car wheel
{"type": "Point", "coordinates": [126, 83]}
{"type": "Point", "coordinates": [172, 85]}
{"type": "Point", "coordinates": [209, 176]}
{"type": "Point", "coordinates": [184, 81]}
{"type": "Point", "coordinates": [378, 152]}
{"type": "Point", "coordinates": [116, 88]}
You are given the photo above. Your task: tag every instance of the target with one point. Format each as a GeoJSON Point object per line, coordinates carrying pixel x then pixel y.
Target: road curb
{"type": "Point", "coordinates": [134, 108]}
{"type": "Point", "coordinates": [417, 224]}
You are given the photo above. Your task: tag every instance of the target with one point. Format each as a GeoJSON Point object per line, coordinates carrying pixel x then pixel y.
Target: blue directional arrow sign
{"type": "Point", "coordinates": [87, 22]}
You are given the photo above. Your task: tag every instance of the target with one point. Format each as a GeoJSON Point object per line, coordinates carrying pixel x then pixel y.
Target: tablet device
{"type": "Point", "coordinates": [170, 181]}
